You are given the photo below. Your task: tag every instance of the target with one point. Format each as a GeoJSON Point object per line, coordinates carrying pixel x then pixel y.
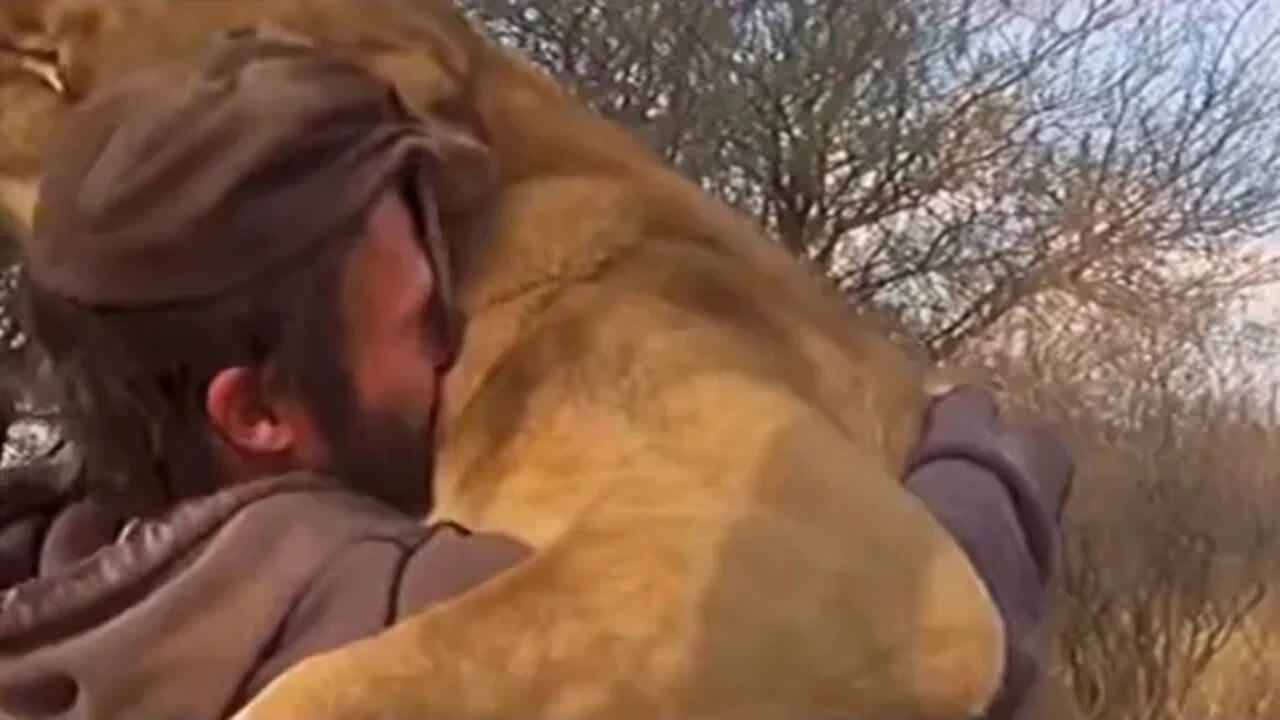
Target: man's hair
{"type": "Point", "coordinates": [131, 384]}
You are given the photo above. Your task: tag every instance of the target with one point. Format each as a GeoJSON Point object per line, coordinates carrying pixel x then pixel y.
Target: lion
{"type": "Point", "coordinates": [699, 438]}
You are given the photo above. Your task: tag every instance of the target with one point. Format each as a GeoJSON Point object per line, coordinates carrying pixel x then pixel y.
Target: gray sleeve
{"type": "Point", "coordinates": [353, 598]}
{"type": "Point", "coordinates": [373, 583]}
{"type": "Point", "coordinates": [451, 562]}
{"type": "Point", "coordinates": [1000, 491]}
{"type": "Point", "coordinates": [977, 510]}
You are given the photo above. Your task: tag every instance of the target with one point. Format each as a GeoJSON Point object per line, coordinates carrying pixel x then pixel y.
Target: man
{"type": "Point", "coordinates": [238, 280]}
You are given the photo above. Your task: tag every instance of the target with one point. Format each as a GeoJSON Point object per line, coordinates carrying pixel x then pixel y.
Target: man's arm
{"type": "Point", "coordinates": [453, 562]}
{"type": "Point", "coordinates": [374, 583]}
{"type": "Point", "coordinates": [1000, 491]}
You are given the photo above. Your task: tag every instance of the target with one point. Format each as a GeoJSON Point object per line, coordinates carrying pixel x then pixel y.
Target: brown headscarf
{"type": "Point", "coordinates": [183, 181]}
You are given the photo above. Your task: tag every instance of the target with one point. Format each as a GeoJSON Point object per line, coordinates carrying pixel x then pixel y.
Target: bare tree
{"type": "Point", "coordinates": [1172, 541]}
{"type": "Point", "coordinates": [1154, 603]}
{"type": "Point", "coordinates": [952, 159]}
{"type": "Point", "coordinates": [1244, 681]}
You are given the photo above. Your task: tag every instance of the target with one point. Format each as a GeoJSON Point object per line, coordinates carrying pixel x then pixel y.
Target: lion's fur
{"type": "Point", "coordinates": [703, 444]}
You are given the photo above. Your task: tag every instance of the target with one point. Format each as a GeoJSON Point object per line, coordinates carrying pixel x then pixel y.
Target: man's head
{"type": "Point", "coordinates": [236, 272]}
{"type": "Point", "coordinates": [356, 400]}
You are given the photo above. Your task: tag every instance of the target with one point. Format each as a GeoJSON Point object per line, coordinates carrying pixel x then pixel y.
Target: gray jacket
{"type": "Point", "coordinates": [189, 616]}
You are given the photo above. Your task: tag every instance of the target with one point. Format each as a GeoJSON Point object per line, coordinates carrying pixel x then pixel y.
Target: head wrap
{"type": "Point", "coordinates": [182, 181]}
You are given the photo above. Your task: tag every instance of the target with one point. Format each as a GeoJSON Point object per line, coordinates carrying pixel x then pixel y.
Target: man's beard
{"type": "Point", "coordinates": [386, 457]}
{"type": "Point", "coordinates": [387, 454]}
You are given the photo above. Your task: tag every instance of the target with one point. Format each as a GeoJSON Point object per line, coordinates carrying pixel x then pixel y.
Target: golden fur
{"type": "Point", "coordinates": [702, 443]}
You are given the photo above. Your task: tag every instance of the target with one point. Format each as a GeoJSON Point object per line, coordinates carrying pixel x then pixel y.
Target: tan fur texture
{"type": "Point", "coordinates": [702, 443]}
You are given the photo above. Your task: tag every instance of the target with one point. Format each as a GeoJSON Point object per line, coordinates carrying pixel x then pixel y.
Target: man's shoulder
{"type": "Point", "coordinates": [356, 544]}
{"type": "Point", "coordinates": [314, 504]}
{"type": "Point", "coordinates": [217, 576]}
{"type": "Point", "coordinates": [292, 522]}
{"type": "Point", "coordinates": [375, 579]}
{"type": "Point", "coordinates": [454, 560]}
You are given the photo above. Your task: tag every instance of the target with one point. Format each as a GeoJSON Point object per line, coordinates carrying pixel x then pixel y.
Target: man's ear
{"type": "Point", "coordinates": [244, 415]}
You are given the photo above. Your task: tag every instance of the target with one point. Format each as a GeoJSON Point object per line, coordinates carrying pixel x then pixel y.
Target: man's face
{"type": "Point", "coordinates": [392, 355]}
